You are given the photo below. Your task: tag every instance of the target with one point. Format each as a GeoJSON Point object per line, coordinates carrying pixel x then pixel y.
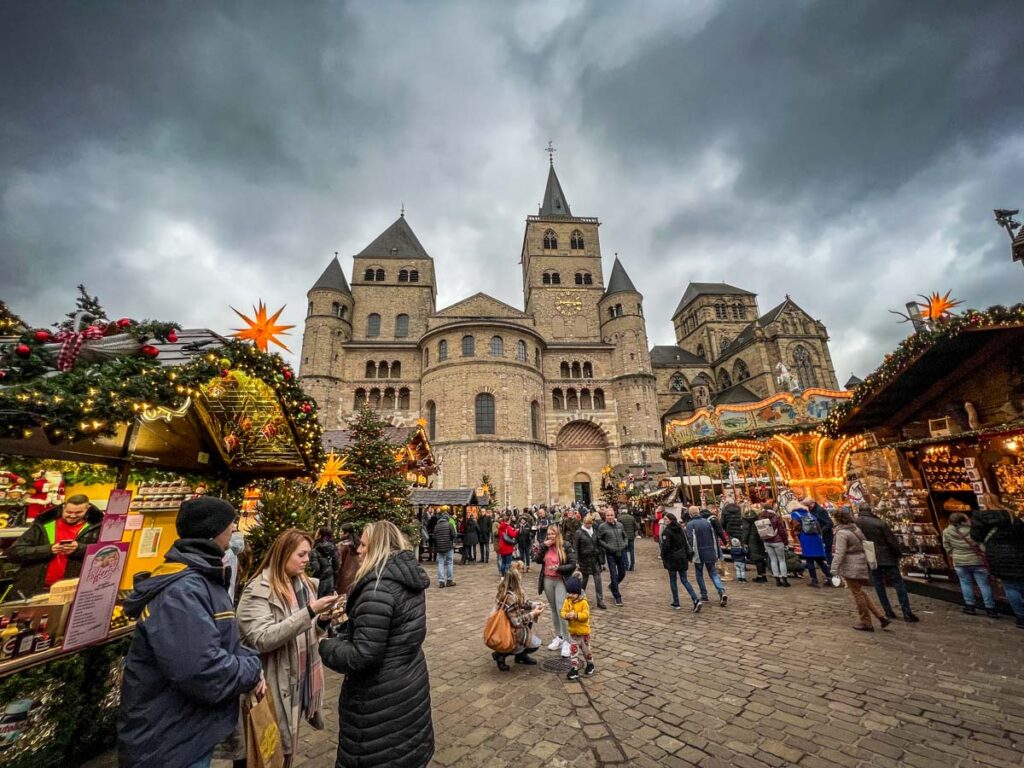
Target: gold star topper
{"type": "Point", "coordinates": [263, 330]}
{"type": "Point", "coordinates": [334, 472]}
{"type": "Point", "coordinates": [936, 307]}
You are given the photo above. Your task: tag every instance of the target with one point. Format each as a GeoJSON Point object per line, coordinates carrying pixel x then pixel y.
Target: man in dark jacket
{"type": "Point", "coordinates": [1003, 537]}
{"type": "Point", "coordinates": [186, 667]}
{"type": "Point", "coordinates": [612, 540]}
{"type": "Point", "coordinates": [887, 553]}
{"type": "Point", "coordinates": [706, 554]}
{"type": "Point", "coordinates": [485, 524]}
{"type": "Point", "coordinates": [732, 520]}
{"type": "Point", "coordinates": [54, 545]}
{"type": "Point", "coordinates": [589, 557]}
{"type": "Point", "coordinates": [628, 523]}
{"type": "Point", "coordinates": [444, 545]}
{"type": "Point", "coordinates": [675, 556]}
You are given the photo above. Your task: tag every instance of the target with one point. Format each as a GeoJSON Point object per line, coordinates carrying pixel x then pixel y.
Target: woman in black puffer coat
{"type": "Point", "coordinates": [384, 709]}
{"type": "Point", "coordinates": [1003, 536]}
{"type": "Point", "coordinates": [675, 557]}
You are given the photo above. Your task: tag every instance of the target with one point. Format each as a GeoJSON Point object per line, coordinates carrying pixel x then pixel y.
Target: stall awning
{"type": "Point", "coordinates": [430, 497]}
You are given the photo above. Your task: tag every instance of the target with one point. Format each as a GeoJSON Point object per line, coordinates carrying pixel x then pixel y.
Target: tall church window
{"type": "Point", "coordinates": [586, 401]}
{"type": "Point", "coordinates": [700, 351]}
{"type": "Point", "coordinates": [740, 372]}
{"type": "Point", "coordinates": [442, 350]}
{"type": "Point", "coordinates": [739, 311]}
{"type": "Point", "coordinates": [588, 279]}
{"type": "Point", "coordinates": [521, 351]}
{"type": "Point", "coordinates": [371, 370]}
{"type": "Point", "coordinates": [556, 279]}
{"type": "Point", "coordinates": [721, 311]}
{"type": "Point", "coordinates": [401, 326]}
{"type": "Point", "coordinates": [396, 369]}
{"type": "Point", "coordinates": [374, 401]}
{"type": "Point", "coordinates": [576, 241]}
{"type": "Point", "coordinates": [536, 357]}
{"type": "Point", "coordinates": [468, 346]}
{"type": "Point", "coordinates": [618, 310]}
{"type": "Point", "coordinates": [309, 309]}
{"type": "Point", "coordinates": [550, 240]}
{"type": "Point", "coordinates": [360, 399]}
{"type": "Point", "coordinates": [546, 278]}
{"type": "Point", "coordinates": [403, 276]}
{"type": "Point", "coordinates": [497, 346]}
{"type": "Point", "coordinates": [369, 275]}
{"type": "Point", "coordinates": [414, 275]}
{"type": "Point", "coordinates": [599, 399]}
{"type": "Point", "coordinates": [572, 402]}
{"type": "Point", "coordinates": [588, 371]}
{"type": "Point", "coordinates": [724, 379]}
{"type": "Point", "coordinates": [579, 278]}
{"type": "Point", "coordinates": [677, 383]}
{"type": "Point", "coordinates": [431, 420]}
{"type": "Point", "coordinates": [563, 370]}
{"type": "Point", "coordinates": [535, 420]}
{"type": "Point", "coordinates": [557, 403]}
{"type": "Point", "coordinates": [426, 356]}
{"type": "Point", "coordinates": [373, 325]}
{"type": "Point", "coordinates": [388, 403]}
{"type": "Point", "coordinates": [804, 368]}
{"type": "Point", "coordinates": [382, 369]}
{"type": "Point", "coordinates": [379, 276]}
{"type": "Point", "coordinates": [576, 372]}
{"type": "Point", "coordinates": [403, 399]}
{"type": "Point", "coordinates": [485, 414]}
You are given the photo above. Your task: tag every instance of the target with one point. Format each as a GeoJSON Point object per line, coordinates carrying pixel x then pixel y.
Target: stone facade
{"type": "Point", "coordinates": [540, 399]}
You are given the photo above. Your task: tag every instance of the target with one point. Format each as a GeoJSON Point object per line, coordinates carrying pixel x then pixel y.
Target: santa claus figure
{"type": "Point", "coordinates": [47, 492]}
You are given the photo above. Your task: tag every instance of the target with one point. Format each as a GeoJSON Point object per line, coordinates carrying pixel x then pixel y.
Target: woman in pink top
{"type": "Point", "coordinates": [558, 561]}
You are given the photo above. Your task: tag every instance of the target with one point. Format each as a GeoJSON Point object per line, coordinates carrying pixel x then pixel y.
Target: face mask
{"type": "Point", "coordinates": [236, 543]}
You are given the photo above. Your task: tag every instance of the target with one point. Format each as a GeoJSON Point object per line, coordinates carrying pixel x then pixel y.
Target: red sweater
{"type": "Point", "coordinates": [504, 548]}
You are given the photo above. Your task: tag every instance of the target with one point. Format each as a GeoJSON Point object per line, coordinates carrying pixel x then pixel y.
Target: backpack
{"type": "Point", "coordinates": [765, 528]}
{"type": "Point", "coordinates": [809, 525]}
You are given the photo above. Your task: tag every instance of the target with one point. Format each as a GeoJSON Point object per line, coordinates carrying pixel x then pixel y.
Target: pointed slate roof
{"type": "Point", "coordinates": [396, 242]}
{"type": "Point", "coordinates": [674, 357]}
{"type": "Point", "coordinates": [853, 382]}
{"type": "Point", "coordinates": [554, 203]}
{"type": "Point", "coordinates": [333, 279]}
{"type": "Point", "coordinates": [693, 290]}
{"type": "Point", "coordinates": [619, 281]}
{"type": "Point", "coordinates": [735, 394]}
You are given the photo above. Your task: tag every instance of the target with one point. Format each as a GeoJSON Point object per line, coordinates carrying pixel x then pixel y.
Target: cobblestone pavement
{"type": "Point", "coordinates": [777, 678]}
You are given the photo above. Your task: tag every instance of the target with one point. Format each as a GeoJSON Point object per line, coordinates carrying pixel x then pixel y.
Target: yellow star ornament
{"type": "Point", "coordinates": [937, 307]}
{"type": "Point", "coordinates": [334, 472]}
{"type": "Point", "coordinates": [263, 330]}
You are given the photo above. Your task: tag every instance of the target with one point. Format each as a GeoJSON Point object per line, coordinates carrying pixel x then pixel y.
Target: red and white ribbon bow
{"type": "Point", "coordinates": [71, 344]}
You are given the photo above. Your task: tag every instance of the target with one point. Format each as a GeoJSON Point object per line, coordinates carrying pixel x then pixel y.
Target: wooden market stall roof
{"type": "Point", "coordinates": [455, 497]}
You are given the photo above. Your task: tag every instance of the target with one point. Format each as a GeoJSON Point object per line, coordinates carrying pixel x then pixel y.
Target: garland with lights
{"type": "Point", "coordinates": [911, 348]}
{"type": "Point", "coordinates": [9, 321]}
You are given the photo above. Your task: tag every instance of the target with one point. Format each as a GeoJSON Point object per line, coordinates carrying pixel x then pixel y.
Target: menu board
{"type": "Point", "coordinates": [89, 622]}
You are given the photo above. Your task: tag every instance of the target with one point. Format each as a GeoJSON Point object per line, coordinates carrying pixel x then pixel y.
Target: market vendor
{"type": "Point", "coordinates": [54, 545]}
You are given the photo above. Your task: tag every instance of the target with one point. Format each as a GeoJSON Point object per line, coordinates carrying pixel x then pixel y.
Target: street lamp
{"type": "Point", "coordinates": [1004, 218]}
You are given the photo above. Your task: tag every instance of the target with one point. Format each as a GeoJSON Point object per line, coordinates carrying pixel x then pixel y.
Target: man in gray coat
{"type": "Point", "coordinates": [612, 539]}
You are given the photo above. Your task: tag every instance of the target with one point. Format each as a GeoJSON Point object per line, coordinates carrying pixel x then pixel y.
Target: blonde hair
{"type": "Point", "coordinates": [559, 541]}
{"type": "Point", "coordinates": [277, 557]}
{"type": "Point", "coordinates": [512, 582]}
{"type": "Point", "coordinates": [382, 539]}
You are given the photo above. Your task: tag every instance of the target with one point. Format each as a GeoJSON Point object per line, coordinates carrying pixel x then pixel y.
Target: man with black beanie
{"type": "Point", "coordinates": [186, 667]}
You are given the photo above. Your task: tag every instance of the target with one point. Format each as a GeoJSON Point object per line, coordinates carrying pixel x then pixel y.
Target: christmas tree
{"type": "Point", "coordinates": [376, 489]}
{"type": "Point", "coordinates": [487, 489]}
{"type": "Point", "coordinates": [283, 504]}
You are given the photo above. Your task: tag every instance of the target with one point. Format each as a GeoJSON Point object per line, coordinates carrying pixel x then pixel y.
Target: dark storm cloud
{"type": "Point", "coordinates": [178, 158]}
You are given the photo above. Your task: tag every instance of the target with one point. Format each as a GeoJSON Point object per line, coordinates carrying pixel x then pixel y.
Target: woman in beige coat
{"type": "Point", "coordinates": [277, 616]}
{"type": "Point", "coordinates": [851, 562]}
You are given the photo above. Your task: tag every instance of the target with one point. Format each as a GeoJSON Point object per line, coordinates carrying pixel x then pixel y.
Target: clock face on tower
{"type": "Point", "coordinates": [568, 303]}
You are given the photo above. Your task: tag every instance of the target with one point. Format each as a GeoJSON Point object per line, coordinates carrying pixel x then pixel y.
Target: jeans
{"type": "Point", "coordinates": [446, 559]}
{"type": "Point", "coordinates": [715, 578]}
{"type": "Point", "coordinates": [202, 762]}
{"type": "Point", "coordinates": [631, 551]}
{"type": "Point", "coordinates": [978, 574]}
{"type": "Point", "coordinates": [681, 576]}
{"type": "Point", "coordinates": [524, 553]}
{"type": "Point", "coordinates": [826, 574]}
{"type": "Point", "coordinates": [598, 588]}
{"type": "Point", "coordinates": [1015, 595]}
{"type": "Point", "coordinates": [866, 607]}
{"type": "Point", "coordinates": [741, 571]}
{"type": "Point", "coordinates": [827, 540]}
{"type": "Point", "coordinates": [616, 572]}
{"type": "Point", "coordinates": [485, 551]}
{"type": "Point", "coordinates": [777, 559]}
{"type": "Point", "coordinates": [504, 563]}
{"type": "Point", "coordinates": [891, 573]}
{"type": "Point", "coordinates": [554, 590]}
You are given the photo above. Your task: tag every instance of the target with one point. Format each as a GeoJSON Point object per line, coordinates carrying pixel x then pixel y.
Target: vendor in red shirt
{"type": "Point", "coordinates": [54, 545]}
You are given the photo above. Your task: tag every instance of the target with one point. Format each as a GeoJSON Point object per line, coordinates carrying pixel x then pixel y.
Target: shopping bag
{"type": "Point", "coordinates": [869, 553]}
{"type": "Point", "coordinates": [262, 736]}
{"type": "Point", "coordinates": [498, 632]}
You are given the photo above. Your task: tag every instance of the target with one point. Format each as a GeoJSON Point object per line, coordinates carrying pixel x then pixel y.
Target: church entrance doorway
{"type": "Point", "coordinates": [581, 489]}
{"type": "Point", "coordinates": [581, 449]}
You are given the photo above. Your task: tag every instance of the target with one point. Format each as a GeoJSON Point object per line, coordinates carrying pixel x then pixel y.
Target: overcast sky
{"type": "Point", "coordinates": [179, 158]}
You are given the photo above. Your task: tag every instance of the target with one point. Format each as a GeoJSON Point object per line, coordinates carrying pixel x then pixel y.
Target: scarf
{"type": "Point", "coordinates": [311, 667]}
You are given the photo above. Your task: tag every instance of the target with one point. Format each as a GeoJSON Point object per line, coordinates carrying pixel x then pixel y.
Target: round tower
{"type": "Point", "coordinates": [328, 326]}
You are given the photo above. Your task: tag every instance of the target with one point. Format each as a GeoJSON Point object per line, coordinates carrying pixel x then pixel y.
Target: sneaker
{"type": "Point", "coordinates": [970, 610]}
{"type": "Point", "coordinates": [890, 615]}
{"type": "Point", "coordinates": [675, 606]}
{"type": "Point", "coordinates": [884, 623]}
{"type": "Point", "coordinates": [589, 670]}
{"type": "Point", "coordinates": [566, 650]}
{"type": "Point", "coordinates": [704, 599]}
{"type": "Point", "coordinates": [992, 613]}
{"type": "Point", "coordinates": [440, 585]}
{"type": "Point", "coordinates": [451, 583]}
{"type": "Point", "coordinates": [601, 605]}
{"type": "Point", "coordinates": [910, 618]}
{"type": "Point", "coordinates": [618, 603]}
{"type": "Point", "coordinates": [696, 606]}
{"type": "Point", "coordinates": [524, 659]}
{"type": "Point", "coordinates": [724, 600]}
{"type": "Point", "coordinates": [556, 644]}
{"type": "Point", "coordinates": [573, 674]}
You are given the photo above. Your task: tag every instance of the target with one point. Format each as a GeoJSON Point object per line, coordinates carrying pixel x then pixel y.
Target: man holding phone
{"type": "Point", "coordinates": [54, 545]}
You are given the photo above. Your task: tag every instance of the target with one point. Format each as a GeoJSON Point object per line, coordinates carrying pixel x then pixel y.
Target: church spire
{"type": "Point", "coordinates": [619, 281]}
{"type": "Point", "coordinates": [554, 203]}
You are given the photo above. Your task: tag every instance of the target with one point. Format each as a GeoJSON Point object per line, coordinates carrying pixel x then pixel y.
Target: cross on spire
{"type": "Point", "coordinates": [403, 209]}
{"type": "Point", "coordinates": [550, 149]}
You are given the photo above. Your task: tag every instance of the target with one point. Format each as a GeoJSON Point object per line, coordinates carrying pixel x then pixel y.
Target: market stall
{"type": "Point", "coordinates": [943, 425]}
{"type": "Point", "coordinates": [454, 501]}
{"type": "Point", "coordinates": [137, 417]}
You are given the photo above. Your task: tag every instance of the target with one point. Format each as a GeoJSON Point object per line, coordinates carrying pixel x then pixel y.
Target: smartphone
{"type": "Point", "coordinates": [65, 542]}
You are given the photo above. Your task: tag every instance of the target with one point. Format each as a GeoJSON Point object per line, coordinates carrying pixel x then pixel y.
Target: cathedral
{"type": "Point", "coordinates": [539, 399]}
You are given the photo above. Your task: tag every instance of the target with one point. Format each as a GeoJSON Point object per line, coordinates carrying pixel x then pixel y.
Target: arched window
{"type": "Point", "coordinates": [403, 275]}
{"type": "Point", "coordinates": [677, 383]}
{"type": "Point", "coordinates": [563, 369]}
{"type": "Point", "coordinates": [598, 399]}
{"type": "Point", "coordinates": [414, 275]}
{"type": "Point", "coordinates": [738, 311]}
{"type": "Point", "coordinates": [588, 371]}
{"type": "Point", "coordinates": [431, 420]}
{"type": "Point", "coordinates": [640, 309]}
{"type": "Point", "coordinates": [468, 346]}
{"type": "Point", "coordinates": [442, 350]}
{"type": "Point", "coordinates": [342, 311]}
{"type": "Point", "coordinates": [556, 279]}
{"type": "Point", "coordinates": [371, 370]}
{"type": "Point", "coordinates": [396, 369]}
{"type": "Point", "coordinates": [382, 369]}
{"type": "Point", "coordinates": [576, 241]}
{"type": "Point", "coordinates": [485, 414]}
{"type": "Point", "coordinates": [368, 275]}
{"type": "Point", "coordinates": [497, 346]}
{"type": "Point", "coordinates": [557, 402]}
{"type": "Point", "coordinates": [618, 310]}
{"type": "Point", "coordinates": [579, 278]}
{"type": "Point", "coordinates": [803, 364]}
{"type": "Point", "coordinates": [535, 420]}
{"type": "Point", "coordinates": [721, 312]}
{"type": "Point", "coordinates": [521, 351]}
{"type": "Point", "coordinates": [572, 402]}
{"type": "Point", "coordinates": [586, 401]}
{"type": "Point", "coordinates": [724, 379]}
{"type": "Point", "coordinates": [546, 278]}
{"type": "Point", "coordinates": [374, 401]}
{"type": "Point", "coordinates": [335, 309]}
{"type": "Point", "coordinates": [576, 372]}
{"type": "Point", "coordinates": [388, 404]}
{"type": "Point", "coordinates": [740, 372]}
{"type": "Point", "coordinates": [401, 326]}
{"type": "Point", "coordinates": [309, 309]}
{"type": "Point", "coordinates": [373, 325]}
{"type": "Point", "coordinates": [426, 356]}
{"type": "Point", "coordinates": [611, 311]}
{"type": "Point", "coordinates": [588, 279]}
{"type": "Point", "coordinates": [360, 399]}
{"type": "Point", "coordinates": [379, 276]}
{"type": "Point", "coordinates": [550, 240]}
{"type": "Point", "coordinates": [700, 350]}
{"type": "Point", "coordinates": [403, 399]}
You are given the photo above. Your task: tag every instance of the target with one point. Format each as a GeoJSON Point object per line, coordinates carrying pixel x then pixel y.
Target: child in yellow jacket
{"type": "Point", "coordinates": [576, 611]}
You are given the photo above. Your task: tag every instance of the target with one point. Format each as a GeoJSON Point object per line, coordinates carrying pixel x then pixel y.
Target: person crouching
{"type": "Point", "coordinates": [576, 612]}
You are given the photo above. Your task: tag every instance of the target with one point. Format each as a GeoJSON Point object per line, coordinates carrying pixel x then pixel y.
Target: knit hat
{"type": "Point", "coordinates": [573, 586]}
{"type": "Point", "coordinates": [794, 505]}
{"type": "Point", "coordinates": [735, 542]}
{"type": "Point", "coordinates": [204, 517]}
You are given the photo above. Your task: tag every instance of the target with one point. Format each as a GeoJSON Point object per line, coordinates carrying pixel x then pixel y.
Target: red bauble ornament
{"type": "Point", "coordinates": [306, 407]}
{"type": "Point", "coordinates": [124, 322]}
{"type": "Point", "coordinates": [23, 350]}
{"type": "Point", "coordinates": [172, 337]}
{"type": "Point", "coordinates": [3, 375]}
{"type": "Point", "coordinates": [225, 373]}
{"type": "Point", "coordinates": [287, 374]}
{"type": "Point", "coordinates": [43, 336]}
{"type": "Point", "coordinates": [149, 350]}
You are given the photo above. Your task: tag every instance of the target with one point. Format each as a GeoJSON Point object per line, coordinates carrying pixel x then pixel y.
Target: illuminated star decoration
{"type": "Point", "coordinates": [936, 307]}
{"type": "Point", "coordinates": [334, 472]}
{"type": "Point", "coordinates": [264, 330]}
